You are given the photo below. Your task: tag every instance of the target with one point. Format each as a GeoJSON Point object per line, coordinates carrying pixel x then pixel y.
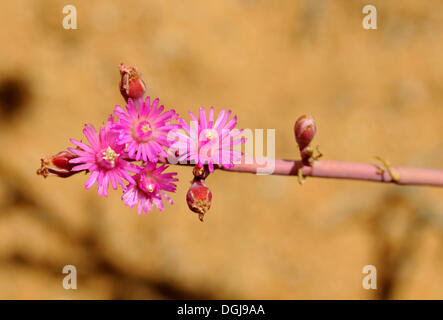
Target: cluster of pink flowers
{"type": "Point", "coordinates": [133, 147]}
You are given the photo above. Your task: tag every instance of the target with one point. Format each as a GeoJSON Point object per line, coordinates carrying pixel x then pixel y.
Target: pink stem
{"type": "Point", "coordinates": [348, 170]}
{"type": "Point", "coordinates": [336, 170]}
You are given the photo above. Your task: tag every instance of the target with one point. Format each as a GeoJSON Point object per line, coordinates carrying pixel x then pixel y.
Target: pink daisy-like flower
{"type": "Point", "coordinates": [150, 184]}
{"type": "Point", "coordinates": [104, 158]}
{"type": "Point", "coordinates": [209, 142]}
{"type": "Point", "coordinates": [144, 130]}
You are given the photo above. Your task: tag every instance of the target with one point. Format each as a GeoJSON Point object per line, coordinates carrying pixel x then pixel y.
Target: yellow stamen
{"type": "Point", "coordinates": [110, 155]}
{"type": "Point", "coordinates": [146, 128]}
{"type": "Point", "coordinates": [150, 187]}
{"type": "Point", "coordinates": [211, 134]}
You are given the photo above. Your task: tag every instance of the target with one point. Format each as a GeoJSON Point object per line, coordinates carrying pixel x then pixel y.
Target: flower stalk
{"type": "Point", "coordinates": [131, 151]}
{"type": "Point", "coordinates": [334, 169]}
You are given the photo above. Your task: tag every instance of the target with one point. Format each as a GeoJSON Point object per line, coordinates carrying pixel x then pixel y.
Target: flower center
{"type": "Point", "coordinates": [150, 187]}
{"type": "Point", "coordinates": [109, 155]}
{"type": "Point", "coordinates": [208, 143]}
{"type": "Point", "coordinates": [210, 134]}
{"type": "Point", "coordinates": [142, 131]}
{"type": "Point", "coordinates": [146, 128]}
{"type": "Point", "coordinates": [148, 184]}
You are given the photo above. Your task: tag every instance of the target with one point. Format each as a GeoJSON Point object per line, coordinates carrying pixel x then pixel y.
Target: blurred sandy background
{"type": "Point", "coordinates": [377, 92]}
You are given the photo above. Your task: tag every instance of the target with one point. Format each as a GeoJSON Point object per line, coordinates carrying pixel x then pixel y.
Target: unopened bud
{"type": "Point", "coordinates": [57, 165]}
{"type": "Point", "coordinates": [304, 131]}
{"type": "Point", "coordinates": [131, 83]}
{"type": "Point", "coordinates": [199, 198]}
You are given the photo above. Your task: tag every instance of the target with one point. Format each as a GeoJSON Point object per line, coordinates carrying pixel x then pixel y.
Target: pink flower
{"type": "Point", "coordinates": [103, 158]}
{"type": "Point", "coordinates": [209, 142]}
{"type": "Point", "coordinates": [144, 130]}
{"type": "Point", "coordinates": [150, 184]}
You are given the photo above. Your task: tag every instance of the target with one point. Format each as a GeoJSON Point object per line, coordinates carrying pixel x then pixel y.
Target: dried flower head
{"type": "Point", "coordinates": [57, 165]}
{"type": "Point", "coordinates": [132, 85]}
{"type": "Point", "coordinates": [199, 198]}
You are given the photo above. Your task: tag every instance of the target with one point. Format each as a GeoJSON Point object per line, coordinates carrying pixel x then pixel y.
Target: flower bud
{"type": "Point", "coordinates": [199, 198]}
{"type": "Point", "coordinates": [131, 83]}
{"type": "Point", "coordinates": [304, 131]}
{"type": "Point", "coordinates": [57, 165]}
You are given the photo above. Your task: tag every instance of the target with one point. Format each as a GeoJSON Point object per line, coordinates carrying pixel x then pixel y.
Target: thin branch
{"type": "Point", "coordinates": [346, 170]}
{"type": "Point", "coordinates": [327, 169]}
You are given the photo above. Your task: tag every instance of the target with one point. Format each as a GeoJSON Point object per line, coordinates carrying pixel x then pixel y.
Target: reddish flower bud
{"type": "Point", "coordinates": [304, 131]}
{"type": "Point", "coordinates": [57, 165]}
{"type": "Point", "coordinates": [199, 198]}
{"type": "Point", "coordinates": [131, 83]}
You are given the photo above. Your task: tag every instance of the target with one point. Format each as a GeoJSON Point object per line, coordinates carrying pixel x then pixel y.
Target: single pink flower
{"type": "Point", "coordinates": [150, 184]}
{"type": "Point", "coordinates": [209, 142]}
{"type": "Point", "coordinates": [104, 158]}
{"type": "Point", "coordinates": [144, 130]}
